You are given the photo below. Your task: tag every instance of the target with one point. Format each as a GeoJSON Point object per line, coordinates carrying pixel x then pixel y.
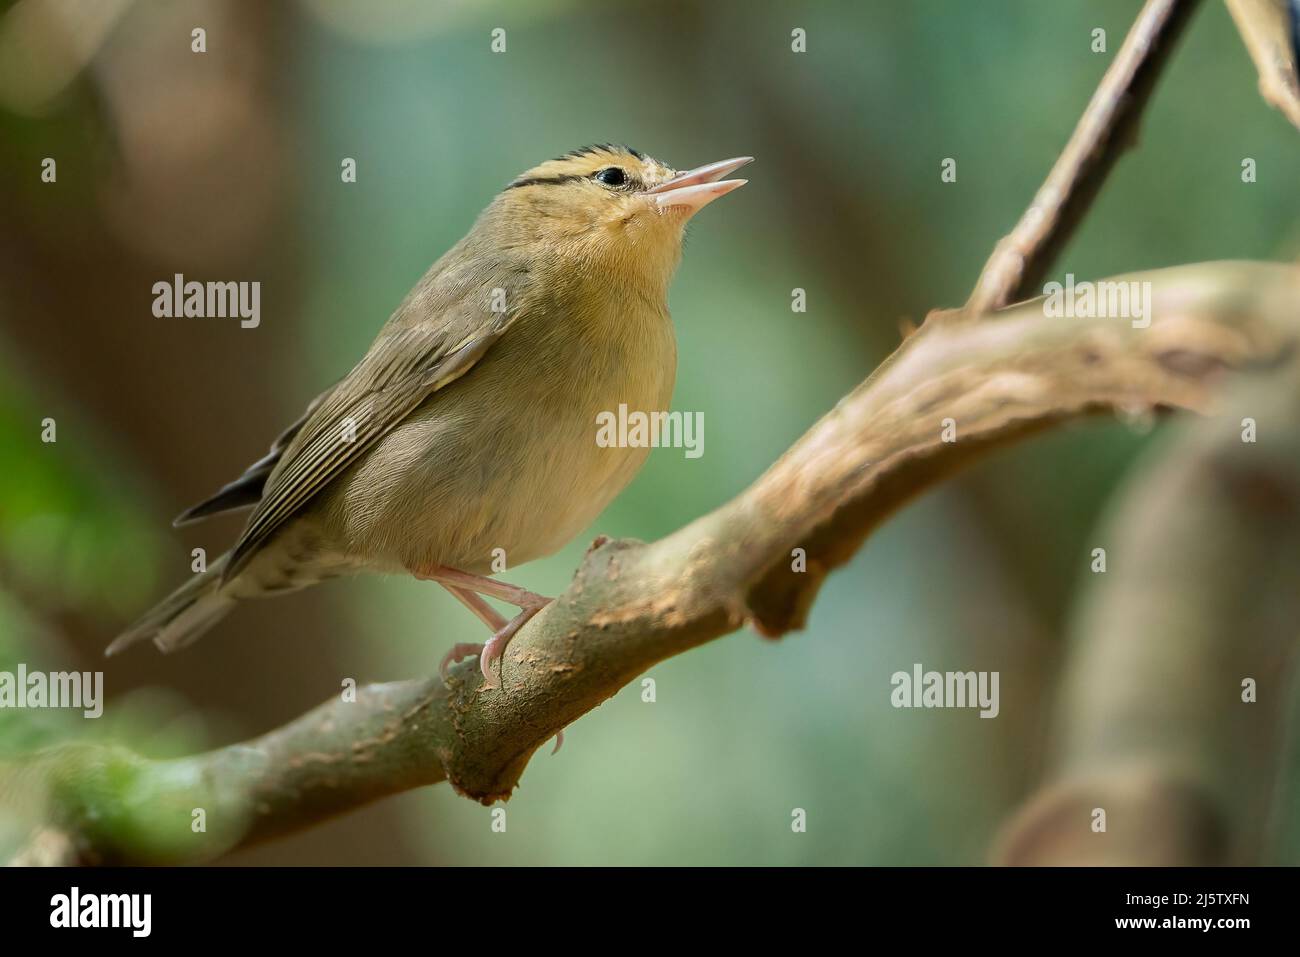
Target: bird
{"type": "Point", "coordinates": [466, 433]}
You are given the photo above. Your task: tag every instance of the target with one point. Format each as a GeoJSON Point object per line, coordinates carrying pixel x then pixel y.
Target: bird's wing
{"type": "Point", "coordinates": [246, 490]}
{"type": "Point", "coordinates": [405, 365]}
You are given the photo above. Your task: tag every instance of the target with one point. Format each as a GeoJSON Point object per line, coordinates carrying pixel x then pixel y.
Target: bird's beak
{"type": "Point", "coordinates": [694, 189]}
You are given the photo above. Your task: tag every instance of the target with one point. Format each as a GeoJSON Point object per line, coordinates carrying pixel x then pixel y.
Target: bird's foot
{"type": "Point", "coordinates": [502, 630]}
{"type": "Point", "coordinates": [469, 590]}
{"type": "Point", "coordinates": [496, 645]}
{"type": "Point", "coordinates": [459, 652]}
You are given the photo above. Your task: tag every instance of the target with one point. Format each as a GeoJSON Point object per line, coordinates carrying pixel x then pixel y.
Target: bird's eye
{"type": "Point", "coordinates": [611, 176]}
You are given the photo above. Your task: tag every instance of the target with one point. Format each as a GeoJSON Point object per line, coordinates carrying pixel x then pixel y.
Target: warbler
{"type": "Point", "coordinates": [468, 430]}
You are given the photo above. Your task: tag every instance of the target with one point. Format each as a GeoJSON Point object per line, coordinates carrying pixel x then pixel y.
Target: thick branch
{"type": "Point", "coordinates": [632, 605]}
{"type": "Point", "coordinates": [1199, 594]}
{"type": "Point", "coordinates": [1109, 124]}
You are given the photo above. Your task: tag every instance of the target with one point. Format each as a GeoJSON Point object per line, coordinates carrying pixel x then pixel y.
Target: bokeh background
{"type": "Point", "coordinates": [226, 165]}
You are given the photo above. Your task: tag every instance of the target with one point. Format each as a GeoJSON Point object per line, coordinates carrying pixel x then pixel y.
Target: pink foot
{"type": "Point", "coordinates": [496, 645]}
{"type": "Point", "coordinates": [458, 653]}
{"type": "Point", "coordinates": [469, 590]}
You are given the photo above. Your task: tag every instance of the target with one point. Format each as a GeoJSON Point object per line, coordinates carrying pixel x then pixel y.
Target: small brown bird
{"type": "Point", "coordinates": [470, 424]}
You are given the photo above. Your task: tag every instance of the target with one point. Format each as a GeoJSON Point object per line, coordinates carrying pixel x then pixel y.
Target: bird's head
{"type": "Point", "coordinates": [610, 208]}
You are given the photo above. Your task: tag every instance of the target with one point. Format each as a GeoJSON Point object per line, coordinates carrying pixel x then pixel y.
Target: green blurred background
{"type": "Point", "coordinates": [225, 165]}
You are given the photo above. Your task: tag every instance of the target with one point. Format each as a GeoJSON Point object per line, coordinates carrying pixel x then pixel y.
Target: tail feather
{"type": "Point", "coordinates": [183, 616]}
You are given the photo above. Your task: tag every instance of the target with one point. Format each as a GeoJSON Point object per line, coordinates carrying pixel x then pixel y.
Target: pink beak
{"type": "Point", "coordinates": [696, 188]}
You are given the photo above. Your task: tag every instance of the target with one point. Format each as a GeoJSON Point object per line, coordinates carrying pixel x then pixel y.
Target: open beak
{"type": "Point", "coordinates": [696, 188]}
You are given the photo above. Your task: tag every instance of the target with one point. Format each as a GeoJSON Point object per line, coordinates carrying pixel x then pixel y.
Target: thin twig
{"type": "Point", "coordinates": [1271, 31]}
{"type": "Point", "coordinates": [1108, 125]}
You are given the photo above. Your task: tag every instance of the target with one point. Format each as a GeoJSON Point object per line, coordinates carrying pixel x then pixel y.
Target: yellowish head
{"type": "Point", "coordinates": [609, 206]}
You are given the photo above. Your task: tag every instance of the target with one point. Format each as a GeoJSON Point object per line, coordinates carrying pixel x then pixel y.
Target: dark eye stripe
{"type": "Point", "coordinates": [631, 182]}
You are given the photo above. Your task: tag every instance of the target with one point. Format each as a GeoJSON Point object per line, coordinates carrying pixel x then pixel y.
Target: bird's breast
{"type": "Point", "coordinates": [505, 464]}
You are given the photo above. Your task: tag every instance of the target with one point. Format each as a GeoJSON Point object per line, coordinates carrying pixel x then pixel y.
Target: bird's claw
{"type": "Point", "coordinates": [496, 645]}
{"type": "Point", "coordinates": [458, 653]}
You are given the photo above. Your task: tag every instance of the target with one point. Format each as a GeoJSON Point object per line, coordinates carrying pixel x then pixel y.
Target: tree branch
{"type": "Point", "coordinates": [632, 605]}
{"type": "Point", "coordinates": [1108, 125]}
{"type": "Point", "coordinates": [1271, 35]}
{"type": "Point", "coordinates": [1200, 594]}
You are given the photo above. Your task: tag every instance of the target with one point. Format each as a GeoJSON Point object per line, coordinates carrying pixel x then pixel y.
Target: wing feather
{"type": "Point", "coordinates": [246, 490]}
{"type": "Point", "coordinates": [402, 369]}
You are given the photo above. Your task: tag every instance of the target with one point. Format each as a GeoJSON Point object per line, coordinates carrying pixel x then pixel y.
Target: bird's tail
{"type": "Point", "coordinates": [183, 616]}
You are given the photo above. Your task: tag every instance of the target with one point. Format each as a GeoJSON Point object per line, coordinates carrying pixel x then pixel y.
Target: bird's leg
{"type": "Point", "coordinates": [462, 650]}
{"type": "Point", "coordinates": [458, 582]}
{"type": "Point", "coordinates": [484, 612]}
{"type": "Point", "coordinates": [481, 609]}
{"type": "Point", "coordinates": [519, 597]}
